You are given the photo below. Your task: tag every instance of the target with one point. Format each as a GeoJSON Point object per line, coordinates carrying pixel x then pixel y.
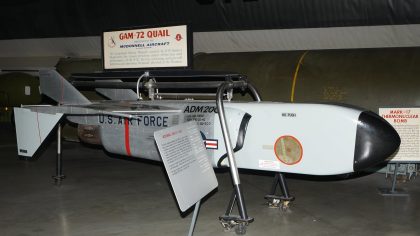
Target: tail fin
{"type": "Point", "coordinates": [58, 88]}
{"type": "Point", "coordinates": [32, 128]}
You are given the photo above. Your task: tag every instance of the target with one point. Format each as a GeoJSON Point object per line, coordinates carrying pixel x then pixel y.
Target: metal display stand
{"type": "Point", "coordinates": [225, 83]}
{"type": "Point", "coordinates": [194, 218]}
{"type": "Point", "coordinates": [229, 221]}
{"type": "Point", "coordinates": [59, 176]}
{"type": "Point", "coordinates": [275, 201]}
{"type": "Point", "coordinates": [393, 191]}
{"type": "Point", "coordinates": [407, 170]}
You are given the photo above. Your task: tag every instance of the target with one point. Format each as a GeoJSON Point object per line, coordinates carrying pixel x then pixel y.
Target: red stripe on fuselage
{"type": "Point", "coordinates": [127, 137]}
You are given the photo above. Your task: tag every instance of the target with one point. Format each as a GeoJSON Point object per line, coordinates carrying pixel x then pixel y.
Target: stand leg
{"type": "Point", "coordinates": [231, 204]}
{"type": "Point", "coordinates": [394, 178]}
{"type": "Point", "coordinates": [229, 221]}
{"type": "Point", "coordinates": [239, 222]}
{"type": "Point", "coordinates": [275, 183]}
{"type": "Point", "coordinates": [275, 201]}
{"type": "Point", "coordinates": [283, 186]}
{"type": "Point", "coordinates": [241, 202]}
{"type": "Point", "coordinates": [194, 218]}
{"type": "Point", "coordinates": [58, 177]}
{"type": "Point", "coordinates": [393, 191]}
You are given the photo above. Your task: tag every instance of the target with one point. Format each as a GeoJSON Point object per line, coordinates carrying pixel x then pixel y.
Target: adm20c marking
{"type": "Point", "coordinates": [203, 109]}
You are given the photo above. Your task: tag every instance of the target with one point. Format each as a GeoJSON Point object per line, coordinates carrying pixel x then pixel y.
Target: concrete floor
{"type": "Point", "coordinates": [105, 195]}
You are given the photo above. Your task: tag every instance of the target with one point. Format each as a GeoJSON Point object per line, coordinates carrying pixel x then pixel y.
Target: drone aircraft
{"type": "Point", "coordinates": [314, 139]}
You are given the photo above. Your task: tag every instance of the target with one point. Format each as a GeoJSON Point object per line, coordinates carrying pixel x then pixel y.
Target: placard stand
{"type": "Point", "coordinates": [194, 218]}
{"type": "Point", "coordinates": [187, 165]}
{"type": "Point", "coordinates": [393, 191]}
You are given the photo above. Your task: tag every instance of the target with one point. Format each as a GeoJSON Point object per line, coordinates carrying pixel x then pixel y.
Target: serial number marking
{"type": "Point", "coordinates": [200, 118]}
{"type": "Point", "coordinates": [288, 114]}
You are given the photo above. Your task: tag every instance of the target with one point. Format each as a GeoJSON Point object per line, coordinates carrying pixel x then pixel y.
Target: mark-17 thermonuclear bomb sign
{"type": "Point", "coordinates": [406, 122]}
{"type": "Point", "coordinates": [162, 47]}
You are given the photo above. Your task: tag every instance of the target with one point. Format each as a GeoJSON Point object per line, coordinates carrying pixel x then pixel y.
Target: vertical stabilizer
{"type": "Point", "coordinates": [58, 88]}
{"type": "Point", "coordinates": [32, 128]}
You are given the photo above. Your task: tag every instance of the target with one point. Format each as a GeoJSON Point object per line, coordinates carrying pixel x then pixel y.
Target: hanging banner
{"type": "Point", "coordinates": [406, 122]}
{"type": "Point", "coordinates": [147, 48]}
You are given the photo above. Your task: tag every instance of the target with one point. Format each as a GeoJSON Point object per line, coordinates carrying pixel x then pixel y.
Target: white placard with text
{"type": "Point", "coordinates": [186, 162]}
{"type": "Point", "coordinates": [160, 47]}
{"type": "Point", "coordinates": [406, 122]}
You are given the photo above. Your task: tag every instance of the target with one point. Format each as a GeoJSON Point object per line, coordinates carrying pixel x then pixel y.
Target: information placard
{"type": "Point", "coordinates": [406, 122]}
{"type": "Point", "coordinates": [186, 162]}
{"type": "Point", "coordinates": [147, 48]}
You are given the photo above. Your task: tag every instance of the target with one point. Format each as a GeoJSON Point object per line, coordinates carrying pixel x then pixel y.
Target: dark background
{"type": "Point", "coordinates": [67, 18]}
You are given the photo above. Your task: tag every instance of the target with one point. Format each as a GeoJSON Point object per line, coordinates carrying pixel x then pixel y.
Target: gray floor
{"type": "Point", "coordinates": [105, 195]}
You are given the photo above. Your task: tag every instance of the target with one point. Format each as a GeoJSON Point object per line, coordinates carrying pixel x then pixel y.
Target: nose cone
{"type": "Point", "coordinates": [376, 140]}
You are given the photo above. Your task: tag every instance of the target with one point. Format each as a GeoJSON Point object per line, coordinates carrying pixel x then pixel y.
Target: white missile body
{"type": "Point", "coordinates": [317, 139]}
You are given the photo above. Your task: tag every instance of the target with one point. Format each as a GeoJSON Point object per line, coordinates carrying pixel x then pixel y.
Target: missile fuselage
{"type": "Point", "coordinates": [316, 139]}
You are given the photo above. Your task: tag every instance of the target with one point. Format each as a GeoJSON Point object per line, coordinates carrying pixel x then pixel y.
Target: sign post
{"type": "Point", "coordinates": [194, 218]}
{"type": "Point", "coordinates": [189, 169]}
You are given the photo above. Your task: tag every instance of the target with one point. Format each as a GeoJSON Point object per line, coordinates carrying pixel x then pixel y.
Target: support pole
{"type": "Point", "coordinates": [240, 223]}
{"type": "Point", "coordinates": [283, 185]}
{"type": "Point", "coordinates": [275, 201]}
{"type": "Point", "coordinates": [58, 177]}
{"type": "Point", "coordinates": [393, 191]}
{"type": "Point", "coordinates": [194, 218]}
{"type": "Point", "coordinates": [231, 204]}
{"type": "Point", "coordinates": [274, 185]}
{"type": "Point", "coordinates": [394, 178]}
{"type": "Point", "coordinates": [232, 163]}
{"type": "Point", "coordinates": [254, 92]}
